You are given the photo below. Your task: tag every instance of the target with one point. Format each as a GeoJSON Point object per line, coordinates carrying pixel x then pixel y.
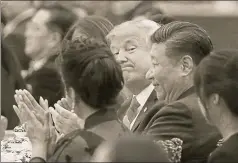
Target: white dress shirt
{"type": "Point", "coordinates": [142, 97]}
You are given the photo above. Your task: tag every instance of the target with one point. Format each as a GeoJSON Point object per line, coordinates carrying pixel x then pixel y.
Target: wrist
{"type": "Point", "coordinates": [39, 150]}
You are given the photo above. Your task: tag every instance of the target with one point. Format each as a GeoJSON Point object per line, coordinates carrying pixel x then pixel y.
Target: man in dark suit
{"type": "Point", "coordinates": [177, 49]}
{"type": "Point", "coordinates": [129, 44]}
{"type": "Point", "coordinates": [44, 33]}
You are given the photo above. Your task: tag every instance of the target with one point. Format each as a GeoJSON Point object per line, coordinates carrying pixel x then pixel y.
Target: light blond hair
{"type": "Point", "coordinates": [148, 27]}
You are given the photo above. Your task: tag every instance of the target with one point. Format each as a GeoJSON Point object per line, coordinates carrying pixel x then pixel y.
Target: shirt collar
{"type": "Point", "coordinates": [143, 96]}
{"type": "Point", "coordinates": [37, 64]}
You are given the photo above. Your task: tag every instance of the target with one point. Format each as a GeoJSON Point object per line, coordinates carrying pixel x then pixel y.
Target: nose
{"type": "Point", "coordinates": [121, 58]}
{"type": "Point", "coordinates": [150, 74]}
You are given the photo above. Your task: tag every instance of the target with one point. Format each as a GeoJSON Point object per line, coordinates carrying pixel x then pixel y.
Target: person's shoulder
{"type": "Point", "coordinates": [78, 145]}
{"type": "Point", "coordinates": [227, 152]}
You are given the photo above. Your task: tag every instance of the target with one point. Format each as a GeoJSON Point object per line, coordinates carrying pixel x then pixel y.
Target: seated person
{"type": "Point", "coordinates": [93, 80]}
{"type": "Point", "coordinates": [216, 82]}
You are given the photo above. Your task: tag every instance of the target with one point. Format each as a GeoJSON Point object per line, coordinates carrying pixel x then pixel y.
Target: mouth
{"type": "Point", "coordinates": [126, 68]}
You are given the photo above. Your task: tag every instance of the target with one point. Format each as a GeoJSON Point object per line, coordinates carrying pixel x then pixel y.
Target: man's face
{"type": "Point", "coordinates": [37, 34]}
{"type": "Point", "coordinates": [163, 72]}
{"type": "Point", "coordinates": [132, 53]}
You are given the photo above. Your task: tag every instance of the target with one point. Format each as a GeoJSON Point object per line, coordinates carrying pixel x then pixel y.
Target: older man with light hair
{"type": "Point", "coordinates": [131, 45]}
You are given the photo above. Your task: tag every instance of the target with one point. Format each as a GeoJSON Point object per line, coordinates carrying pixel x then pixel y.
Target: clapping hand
{"type": "Point", "coordinates": [24, 97]}
{"type": "Point", "coordinates": [65, 120]}
{"type": "Point", "coordinates": [39, 132]}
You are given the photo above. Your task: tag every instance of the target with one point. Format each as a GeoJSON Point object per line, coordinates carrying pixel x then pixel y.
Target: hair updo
{"type": "Point", "coordinates": [88, 66]}
{"type": "Point", "coordinates": [218, 73]}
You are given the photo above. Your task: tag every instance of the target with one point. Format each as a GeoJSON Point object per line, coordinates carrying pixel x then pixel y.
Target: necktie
{"type": "Point", "coordinates": [131, 112]}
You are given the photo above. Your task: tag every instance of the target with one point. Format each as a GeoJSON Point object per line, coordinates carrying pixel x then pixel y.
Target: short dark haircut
{"type": "Point", "coordinates": [89, 67]}
{"type": "Point", "coordinates": [61, 18]}
{"type": "Point", "coordinates": [218, 73]}
{"type": "Point", "coordinates": [183, 38]}
{"type": "Point", "coordinates": [93, 26]}
{"type": "Point", "coordinates": [162, 19]}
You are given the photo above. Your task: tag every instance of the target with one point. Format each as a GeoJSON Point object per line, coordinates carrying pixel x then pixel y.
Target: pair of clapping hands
{"type": "Point", "coordinates": [64, 118]}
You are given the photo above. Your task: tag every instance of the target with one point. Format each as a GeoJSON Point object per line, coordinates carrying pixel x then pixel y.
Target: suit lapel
{"type": "Point", "coordinates": [148, 105]}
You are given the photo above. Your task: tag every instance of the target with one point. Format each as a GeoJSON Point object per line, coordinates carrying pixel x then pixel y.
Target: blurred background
{"type": "Point", "coordinates": [219, 18]}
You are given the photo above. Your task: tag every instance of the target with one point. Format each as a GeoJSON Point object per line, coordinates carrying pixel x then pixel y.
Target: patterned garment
{"type": "Point", "coordinates": [173, 148]}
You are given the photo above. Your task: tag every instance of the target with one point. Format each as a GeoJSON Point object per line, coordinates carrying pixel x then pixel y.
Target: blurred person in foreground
{"type": "Point", "coordinates": [177, 49]}
{"type": "Point", "coordinates": [216, 83]}
{"type": "Point", "coordinates": [93, 80]}
{"type": "Point", "coordinates": [44, 33]}
{"type": "Point", "coordinates": [130, 149]}
{"type": "Point", "coordinates": [130, 44]}
{"type": "Point", "coordinates": [10, 80]}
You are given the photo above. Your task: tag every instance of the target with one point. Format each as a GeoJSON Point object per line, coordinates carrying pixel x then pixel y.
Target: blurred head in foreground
{"type": "Point", "coordinates": [130, 149]}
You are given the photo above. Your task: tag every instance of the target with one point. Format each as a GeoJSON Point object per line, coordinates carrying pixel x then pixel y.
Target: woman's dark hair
{"type": "Point", "coordinates": [88, 66]}
{"type": "Point", "coordinates": [91, 26]}
{"type": "Point", "coordinates": [218, 73]}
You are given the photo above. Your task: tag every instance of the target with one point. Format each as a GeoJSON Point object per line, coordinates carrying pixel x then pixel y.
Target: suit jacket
{"type": "Point", "coordinates": [227, 152]}
{"type": "Point", "coordinates": [149, 104]}
{"type": "Point", "coordinates": [46, 82]}
{"type": "Point", "coordinates": [182, 119]}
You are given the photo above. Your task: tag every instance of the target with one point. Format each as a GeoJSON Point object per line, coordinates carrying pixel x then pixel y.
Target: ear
{"type": "Point", "coordinates": [186, 65]}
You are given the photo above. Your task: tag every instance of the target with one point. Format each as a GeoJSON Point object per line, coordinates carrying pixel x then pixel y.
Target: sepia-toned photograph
{"type": "Point", "coordinates": [119, 81]}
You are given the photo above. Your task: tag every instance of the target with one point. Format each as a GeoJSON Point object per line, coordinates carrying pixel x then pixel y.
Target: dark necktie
{"type": "Point", "coordinates": [131, 112]}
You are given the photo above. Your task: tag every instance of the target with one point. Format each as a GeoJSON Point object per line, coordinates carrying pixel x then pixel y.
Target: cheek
{"type": "Point", "coordinates": [141, 60]}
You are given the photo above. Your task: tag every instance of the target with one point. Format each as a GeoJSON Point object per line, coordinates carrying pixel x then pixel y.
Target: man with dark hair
{"type": "Point", "coordinates": [177, 49]}
{"type": "Point", "coordinates": [44, 34]}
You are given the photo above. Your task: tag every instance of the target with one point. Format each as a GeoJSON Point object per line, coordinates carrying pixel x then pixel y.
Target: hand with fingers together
{"type": "Point", "coordinates": [38, 132]}
{"type": "Point", "coordinates": [23, 96]}
{"type": "Point", "coordinates": [65, 121]}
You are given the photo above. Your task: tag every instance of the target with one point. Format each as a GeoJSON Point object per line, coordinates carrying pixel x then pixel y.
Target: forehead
{"type": "Point", "coordinates": [126, 35]}
{"type": "Point", "coordinates": [41, 17]}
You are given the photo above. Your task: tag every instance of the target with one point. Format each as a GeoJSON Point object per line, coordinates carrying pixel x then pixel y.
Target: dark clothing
{"type": "Point", "coordinates": [10, 81]}
{"type": "Point", "coordinates": [182, 118]}
{"type": "Point", "coordinates": [79, 145]}
{"type": "Point", "coordinates": [227, 152]}
{"type": "Point", "coordinates": [46, 82]}
{"type": "Point", "coordinates": [149, 104]}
